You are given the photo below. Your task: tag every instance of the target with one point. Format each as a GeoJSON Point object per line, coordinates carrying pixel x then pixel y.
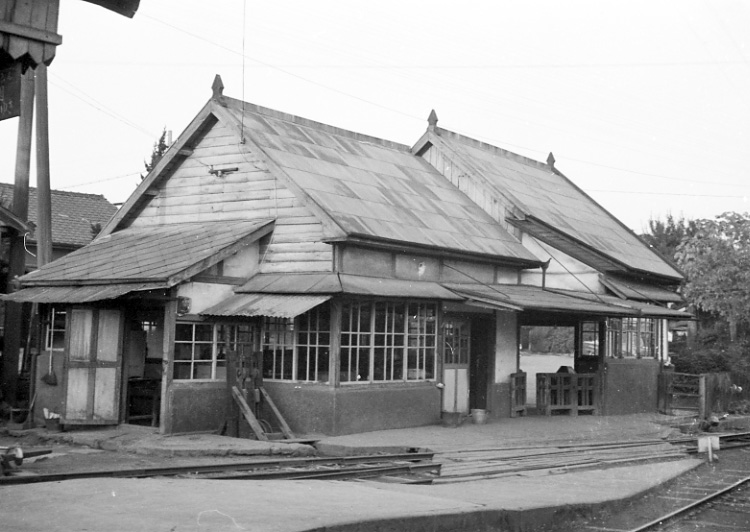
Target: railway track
{"type": "Point", "coordinates": [725, 509]}
{"type": "Point", "coordinates": [414, 468]}
{"type": "Point", "coordinates": [713, 497]}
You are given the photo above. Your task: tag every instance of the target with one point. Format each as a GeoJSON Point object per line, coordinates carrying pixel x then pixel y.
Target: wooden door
{"type": "Point", "coordinates": [93, 367]}
{"type": "Point", "coordinates": [457, 354]}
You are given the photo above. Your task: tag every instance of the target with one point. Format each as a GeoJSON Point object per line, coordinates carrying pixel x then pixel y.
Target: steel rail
{"type": "Point", "coordinates": [340, 474]}
{"type": "Point", "coordinates": [214, 468]}
{"type": "Point", "coordinates": [680, 512]}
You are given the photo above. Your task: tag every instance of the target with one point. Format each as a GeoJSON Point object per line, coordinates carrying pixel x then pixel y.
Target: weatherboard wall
{"type": "Point", "coordinates": [197, 191]}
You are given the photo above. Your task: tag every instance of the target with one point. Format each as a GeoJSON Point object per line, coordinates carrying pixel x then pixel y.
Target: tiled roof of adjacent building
{"type": "Point", "coordinates": [73, 213]}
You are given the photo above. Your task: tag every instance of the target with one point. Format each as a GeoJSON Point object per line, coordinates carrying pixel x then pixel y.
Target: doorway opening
{"type": "Point", "coordinates": [544, 350]}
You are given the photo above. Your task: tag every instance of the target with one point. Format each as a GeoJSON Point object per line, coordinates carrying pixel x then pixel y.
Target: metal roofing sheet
{"type": "Point", "coordinates": [526, 297]}
{"type": "Point", "coordinates": [333, 283]}
{"type": "Point", "coordinates": [638, 308]}
{"type": "Point", "coordinates": [640, 291]}
{"type": "Point", "coordinates": [144, 253]}
{"type": "Point", "coordinates": [373, 188]}
{"type": "Point", "coordinates": [77, 294]}
{"type": "Point", "coordinates": [555, 200]}
{"type": "Point", "coordinates": [271, 305]}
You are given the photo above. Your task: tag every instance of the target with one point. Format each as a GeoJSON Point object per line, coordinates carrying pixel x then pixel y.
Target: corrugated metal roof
{"type": "Point", "coordinates": [271, 305]}
{"type": "Point", "coordinates": [373, 188]}
{"type": "Point", "coordinates": [640, 291]}
{"type": "Point", "coordinates": [77, 294]}
{"type": "Point", "coordinates": [144, 253]}
{"type": "Point", "coordinates": [553, 199]}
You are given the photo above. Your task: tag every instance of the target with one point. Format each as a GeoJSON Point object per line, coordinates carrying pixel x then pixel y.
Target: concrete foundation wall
{"type": "Point", "coordinates": [630, 386]}
{"type": "Point", "coordinates": [353, 409]}
{"type": "Point", "coordinates": [197, 406]}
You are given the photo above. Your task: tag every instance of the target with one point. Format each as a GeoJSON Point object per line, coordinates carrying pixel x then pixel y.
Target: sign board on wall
{"type": "Point", "coordinates": [10, 92]}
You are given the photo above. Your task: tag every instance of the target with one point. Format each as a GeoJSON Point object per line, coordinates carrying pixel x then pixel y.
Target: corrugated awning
{"type": "Point", "coordinates": [271, 305]}
{"type": "Point", "coordinates": [77, 294]}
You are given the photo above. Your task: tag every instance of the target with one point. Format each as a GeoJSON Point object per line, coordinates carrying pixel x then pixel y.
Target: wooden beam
{"type": "Point", "coordinates": [248, 413]}
{"type": "Point", "coordinates": [288, 434]}
{"type": "Point", "coordinates": [28, 32]}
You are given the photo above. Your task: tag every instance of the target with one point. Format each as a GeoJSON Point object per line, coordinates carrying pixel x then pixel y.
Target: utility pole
{"type": "Point", "coordinates": [17, 264]}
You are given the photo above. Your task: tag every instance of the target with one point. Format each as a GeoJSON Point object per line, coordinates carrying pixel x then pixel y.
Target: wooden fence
{"type": "Point", "coordinates": [567, 393]}
{"type": "Point", "coordinates": [699, 395]}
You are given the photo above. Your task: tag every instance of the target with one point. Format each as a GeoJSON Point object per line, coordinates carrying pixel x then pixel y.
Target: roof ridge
{"type": "Point", "coordinates": [301, 121]}
{"type": "Point", "coordinates": [487, 146]}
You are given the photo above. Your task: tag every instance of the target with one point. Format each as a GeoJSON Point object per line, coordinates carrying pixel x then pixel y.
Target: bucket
{"type": "Point", "coordinates": [478, 416]}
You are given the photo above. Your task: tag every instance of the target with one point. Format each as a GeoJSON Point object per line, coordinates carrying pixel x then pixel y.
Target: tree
{"type": "Point", "coordinates": [665, 236]}
{"type": "Point", "coordinates": [160, 148]}
{"type": "Point", "coordinates": [716, 261]}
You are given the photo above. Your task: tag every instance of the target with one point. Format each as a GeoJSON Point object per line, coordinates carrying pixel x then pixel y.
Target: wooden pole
{"type": "Point", "coordinates": [44, 215]}
{"type": "Point", "coordinates": [13, 333]}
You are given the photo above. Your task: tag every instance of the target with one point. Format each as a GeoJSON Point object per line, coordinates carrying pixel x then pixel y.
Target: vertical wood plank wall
{"type": "Point", "coordinates": [192, 194]}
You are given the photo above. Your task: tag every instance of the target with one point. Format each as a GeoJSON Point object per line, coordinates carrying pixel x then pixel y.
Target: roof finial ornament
{"type": "Point", "coordinates": [218, 88]}
{"type": "Point", "coordinates": [551, 160]}
{"type": "Point", "coordinates": [432, 119]}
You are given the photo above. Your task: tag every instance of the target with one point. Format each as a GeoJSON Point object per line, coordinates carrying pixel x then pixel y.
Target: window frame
{"type": "Point", "coordinates": [216, 361]}
{"type": "Point", "coordinates": [416, 348]}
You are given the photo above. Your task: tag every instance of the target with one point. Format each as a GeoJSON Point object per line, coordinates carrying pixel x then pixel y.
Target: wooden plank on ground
{"type": "Point", "coordinates": [248, 413]}
{"type": "Point", "coordinates": [288, 434]}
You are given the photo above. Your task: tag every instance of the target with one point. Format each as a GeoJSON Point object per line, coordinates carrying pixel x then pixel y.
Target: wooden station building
{"type": "Point", "coordinates": [364, 283]}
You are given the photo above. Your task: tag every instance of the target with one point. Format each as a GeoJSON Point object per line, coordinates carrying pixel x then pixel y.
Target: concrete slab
{"type": "Point", "coordinates": [296, 506]}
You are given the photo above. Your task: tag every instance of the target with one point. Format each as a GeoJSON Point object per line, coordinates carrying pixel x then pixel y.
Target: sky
{"type": "Point", "coordinates": [643, 103]}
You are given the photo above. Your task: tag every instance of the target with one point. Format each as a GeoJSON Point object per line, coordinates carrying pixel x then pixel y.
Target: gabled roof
{"type": "Point", "coordinates": [72, 214]}
{"type": "Point", "coordinates": [168, 254]}
{"type": "Point", "coordinates": [372, 190]}
{"type": "Point", "coordinates": [552, 208]}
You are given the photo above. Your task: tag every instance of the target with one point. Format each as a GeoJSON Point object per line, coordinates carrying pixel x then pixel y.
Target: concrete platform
{"type": "Point", "coordinates": [523, 501]}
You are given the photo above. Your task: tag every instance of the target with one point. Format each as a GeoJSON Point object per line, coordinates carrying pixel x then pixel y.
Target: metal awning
{"type": "Point", "coordinates": [342, 283]}
{"type": "Point", "coordinates": [534, 298]}
{"type": "Point", "coordinates": [271, 305]}
{"type": "Point", "coordinates": [77, 294]}
{"type": "Point", "coordinates": [640, 291]}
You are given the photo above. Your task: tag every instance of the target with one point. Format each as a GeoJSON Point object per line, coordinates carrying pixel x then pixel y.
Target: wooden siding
{"type": "Point", "coordinates": [192, 194]}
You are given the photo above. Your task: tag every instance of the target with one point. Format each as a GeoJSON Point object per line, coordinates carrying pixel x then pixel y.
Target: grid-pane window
{"type": "Point", "coordinates": [194, 351]}
{"type": "Point", "coordinates": [54, 337]}
{"type": "Point", "coordinates": [589, 338]}
{"type": "Point", "coordinates": [356, 338]}
{"type": "Point", "coordinates": [634, 338]}
{"type": "Point", "coordinates": [388, 341]}
{"type": "Point", "coordinates": [457, 342]}
{"type": "Point", "coordinates": [313, 345]}
{"type": "Point", "coordinates": [278, 348]}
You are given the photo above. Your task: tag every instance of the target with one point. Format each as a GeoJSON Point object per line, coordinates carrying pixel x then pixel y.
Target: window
{"type": "Point", "coordinates": [388, 341]}
{"type": "Point", "coordinates": [278, 348]}
{"type": "Point", "coordinates": [196, 353]}
{"type": "Point", "coordinates": [634, 338]}
{"type": "Point", "coordinates": [313, 345]}
{"type": "Point", "coordinates": [589, 339]}
{"type": "Point", "coordinates": [54, 336]}
{"type": "Point", "coordinates": [298, 350]}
